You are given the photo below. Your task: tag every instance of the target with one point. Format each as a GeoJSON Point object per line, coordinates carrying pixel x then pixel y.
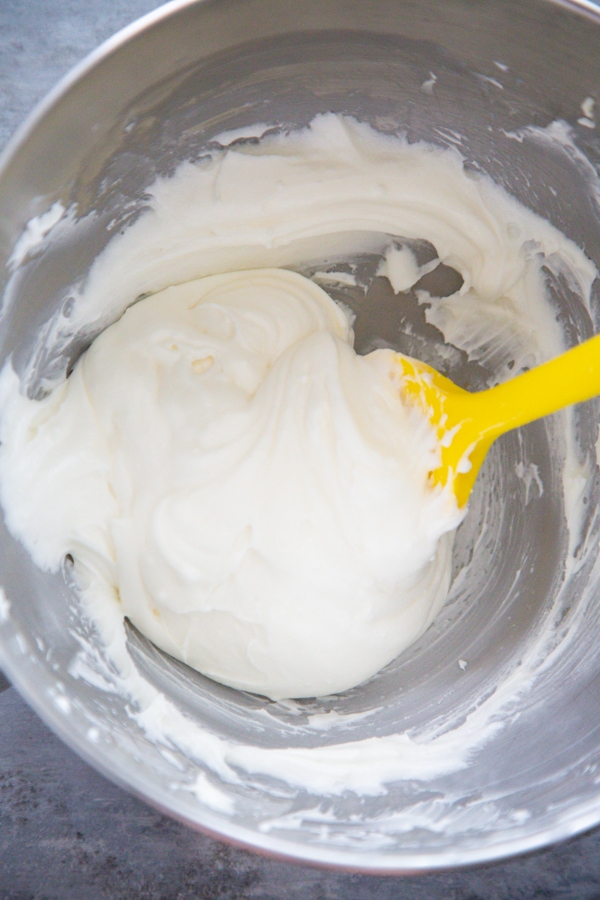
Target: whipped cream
{"type": "Point", "coordinates": [255, 492]}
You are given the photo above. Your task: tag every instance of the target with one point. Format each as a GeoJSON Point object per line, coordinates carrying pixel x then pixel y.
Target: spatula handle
{"type": "Point", "coordinates": [570, 378]}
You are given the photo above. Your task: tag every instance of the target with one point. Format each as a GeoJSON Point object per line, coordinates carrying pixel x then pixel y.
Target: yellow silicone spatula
{"type": "Point", "coordinates": [468, 423]}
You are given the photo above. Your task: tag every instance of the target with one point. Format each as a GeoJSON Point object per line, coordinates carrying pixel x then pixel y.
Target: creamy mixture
{"type": "Point", "coordinates": [222, 466]}
{"type": "Point", "coordinates": [254, 491]}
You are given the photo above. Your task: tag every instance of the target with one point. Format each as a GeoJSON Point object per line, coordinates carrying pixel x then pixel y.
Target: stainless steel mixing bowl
{"type": "Point", "coordinates": [155, 95]}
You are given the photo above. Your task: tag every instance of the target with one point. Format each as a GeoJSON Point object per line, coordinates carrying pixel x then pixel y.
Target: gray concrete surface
{"type": "Point", "coordinates": [68, 834]}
